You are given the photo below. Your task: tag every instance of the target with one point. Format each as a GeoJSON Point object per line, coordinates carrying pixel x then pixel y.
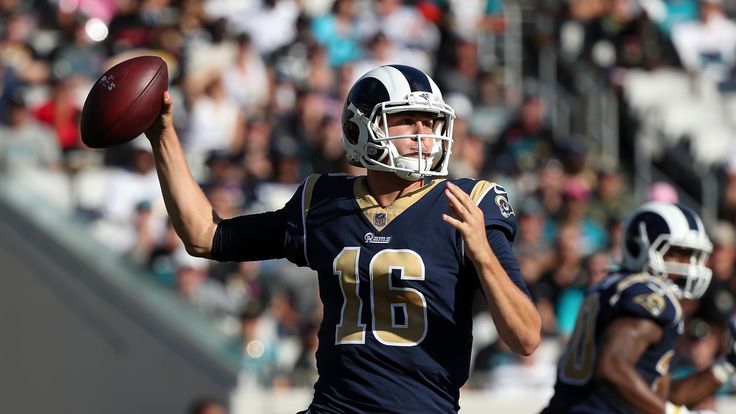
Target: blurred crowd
{"type": "Point", "coordinates": [258, 88]}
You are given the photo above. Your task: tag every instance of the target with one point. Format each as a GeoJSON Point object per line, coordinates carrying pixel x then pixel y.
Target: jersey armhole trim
{"type": "Point", "coordinates": [306, 204]}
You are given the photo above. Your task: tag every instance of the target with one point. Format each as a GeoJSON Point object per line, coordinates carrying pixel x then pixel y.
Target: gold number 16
{"type": "Point", "coordinates": [399, 314]}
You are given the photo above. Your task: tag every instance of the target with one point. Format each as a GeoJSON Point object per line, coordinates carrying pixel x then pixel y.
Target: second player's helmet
{"type": "Point", "coordinates": [657, 228]}
{"type": "Point", "coordinates": [387, 90]}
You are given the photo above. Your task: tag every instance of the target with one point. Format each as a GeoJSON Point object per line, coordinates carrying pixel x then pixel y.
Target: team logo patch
{"type": "Point", "coordinates": [380, 219]}
{"type": "Point", "coordinates": [373, 239]}
{"type": "Point", "coordinates": [504, 205]}
{"type": "Point", "coordinates": [652, 302]}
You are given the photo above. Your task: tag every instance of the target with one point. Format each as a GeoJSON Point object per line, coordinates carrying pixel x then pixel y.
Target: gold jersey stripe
{"type": "Point", "coordinates": [481, 188]}
{"type": "Point", "coordinates": [371, 209]}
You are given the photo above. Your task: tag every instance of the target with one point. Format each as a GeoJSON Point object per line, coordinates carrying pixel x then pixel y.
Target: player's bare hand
{"type": "Point", "coordinates": [469, 221]}
{"type": "Point", "coordinates": [165, 120]}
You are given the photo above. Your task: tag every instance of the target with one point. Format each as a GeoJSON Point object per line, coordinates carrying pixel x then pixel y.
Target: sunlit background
{"type": "Point", "coordinates": [581, 108]}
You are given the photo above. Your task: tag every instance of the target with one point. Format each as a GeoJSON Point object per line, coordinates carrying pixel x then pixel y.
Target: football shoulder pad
{"type": "Point", "coordinates": [644, 296]}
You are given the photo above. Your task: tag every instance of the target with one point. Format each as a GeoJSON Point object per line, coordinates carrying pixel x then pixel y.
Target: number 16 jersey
{"type": "Point", "coordinates": [397, 292]}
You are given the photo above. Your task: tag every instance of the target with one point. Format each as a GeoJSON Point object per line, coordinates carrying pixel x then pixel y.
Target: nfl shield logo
{"type": "Point", "coordinates": [379, 219]}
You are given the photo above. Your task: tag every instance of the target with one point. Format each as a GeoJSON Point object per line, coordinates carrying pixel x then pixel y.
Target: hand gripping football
{"type": "Point", "coordinates": [124, 101]}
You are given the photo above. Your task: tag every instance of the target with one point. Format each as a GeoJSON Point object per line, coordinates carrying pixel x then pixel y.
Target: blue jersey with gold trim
{"type": "Point", "coordinates": [397, 292]}
{"type": "Point", "coordinates": [620, 295]}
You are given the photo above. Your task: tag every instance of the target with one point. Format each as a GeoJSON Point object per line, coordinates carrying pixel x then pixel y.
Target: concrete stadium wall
{"type": "Point", "coordinates": [72, 343]}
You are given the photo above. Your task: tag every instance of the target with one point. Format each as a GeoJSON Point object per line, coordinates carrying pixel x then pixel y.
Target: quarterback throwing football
{"type": "Point", "coordinates": [399, 252]}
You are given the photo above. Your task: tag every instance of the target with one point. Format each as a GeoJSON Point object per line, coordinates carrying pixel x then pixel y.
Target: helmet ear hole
{"type": "Point", "coordinates": [351, 131]}
{"type": "Point", "coordinates": [633, 247]}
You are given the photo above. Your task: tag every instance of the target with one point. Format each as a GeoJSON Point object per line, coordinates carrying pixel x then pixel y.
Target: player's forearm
{"type": "Point", "coordinates": [191, 213]}
{"type": "Point", "coordinates": [623, 379]}
{"type": "Point", "coordinates": [694, 388]}
{"type": "Point", "coordinates": [514, 314]}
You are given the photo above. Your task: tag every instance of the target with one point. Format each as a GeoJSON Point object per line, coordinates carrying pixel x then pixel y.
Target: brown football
{"type": "Point", "coordinates": [124, 101]}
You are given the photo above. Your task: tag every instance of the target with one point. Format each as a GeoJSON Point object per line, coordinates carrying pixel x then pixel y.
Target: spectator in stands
{"type": "Point", "coordinates": [256, 162]}
{"type": "Point", "coordinates": [126, 188]}
{"type": "Point", "coordinates": [25, 143]}
{"type": "Point", "coordinates": [662, 191]}
{"type": "Point", "coordinates": [612, 198]}
{"type": "Point", "coordinates": [535, 253]}
{"type": "Point", "coordinates": [566, 273]}
{"type": "Point", "coordinates": [491, 111]}
{"type": "Point", "coordinates": [405, 26]}
{"type": "Point", "coordinates": [127, 30]}
{"type": "Point", "coordinates": [61, 112]}
{"type": "Point", "coordinates": [528, 139]}
{"type": "Point", "coordinates": [595, 267]}
{"type": "Point", "coordinates": [468, 151]}
{"type": "Point", "coordinates": [297, 132]}
{"type": "Point", "coordinates": [380, 50]}
{"type": "Point", "coordinates": [550, 185]}
{"type": "Point", "coordinates": [9, 87]}
{"type": "Point", "coordinates": [708, 45]}
{"type": "Point", "coordinates": [258, 344]}
{"type": "Point", "coordinates": [216, 123]}
{"type": "Point", "coordinates": [246, 78]}
{"type": "Point", "coordinates": [719, 302]}
{"type": "Point", "coordinates": [576, 196]}
{"type": "Point", "coordinates": [77, 55]}
{"type": "Point", "coordinates": [727, 203]}
{"type": "Point", "coordinates": [320, 76]}
{"type": "Point", "coordinates": [225, 175]}
{"type": "Point", "coordinates": [460, 73]}
{"type": "Point", "coordinates": [145, 234]}
{"type": "Point", "coordinates": [16, 46]}
{"type": "Point", "coordinates": [207, 294]}
{"type": "Point", "coordinates": [670, 13]}
{"type": "Point", "coordinates": [327, 150]}
{"type": "Point", "coordinates": [271, 24]}
{"type": "Point", "coordinates": [340, 32]}
{"type": "Point", "coordinates": [161, 257]}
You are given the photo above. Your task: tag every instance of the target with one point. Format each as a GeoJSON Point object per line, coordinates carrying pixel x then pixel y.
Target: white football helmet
{"type": "Point", "coordinates": [656, 228]}
{"type": "Point", "coordinates": [387, 90]}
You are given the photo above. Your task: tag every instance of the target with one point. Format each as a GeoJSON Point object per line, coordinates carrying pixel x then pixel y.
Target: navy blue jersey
{"type": "Point", "coordinates": [620, 295]}
{"type": "Point", "coordinates": [397, 292]}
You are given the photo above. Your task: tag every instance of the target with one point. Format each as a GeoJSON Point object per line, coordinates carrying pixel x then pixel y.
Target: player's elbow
{"type": "Point", "coordinates": [198, 250]}
{"type": "Point", "coordinates": [526, 343]}
{"type": "Point", "coordinates": [529, 343]}
{"type": "Point", "coordinates": [198, 240]}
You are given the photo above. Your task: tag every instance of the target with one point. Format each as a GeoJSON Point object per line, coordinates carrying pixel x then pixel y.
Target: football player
{"type": "Point", "coordinates": [617, 360]}
{"type": "Point", "coordinates": [399, 252]}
